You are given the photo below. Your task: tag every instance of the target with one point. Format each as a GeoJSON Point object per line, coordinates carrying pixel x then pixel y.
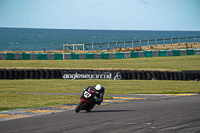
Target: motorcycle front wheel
{"type": "Point", "coordinates": [79, 106]}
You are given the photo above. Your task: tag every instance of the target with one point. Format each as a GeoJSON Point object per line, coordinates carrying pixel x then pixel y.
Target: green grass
{"type": "Point", "coordinates": [153, 63]}
{"type": "Point", "coordinates": [16, 101]}
{"type": "Point", "coordinates": [11, 90]}
{"type": "Point", "coordinates": [112, 86]}
{"type": "Point", "coordinates": [11, 101]}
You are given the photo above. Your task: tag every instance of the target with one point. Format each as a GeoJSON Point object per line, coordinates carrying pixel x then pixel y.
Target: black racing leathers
{"type": "Point", "coordinates": [100, 93]}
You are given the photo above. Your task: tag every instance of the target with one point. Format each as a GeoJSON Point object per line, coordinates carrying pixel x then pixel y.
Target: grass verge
{"type": "Point", "coordinates": [152, 63]}
{"type": "Point", "coordinates": [11, 101]}
{"type": "Point", "coordinates": [112, 86]}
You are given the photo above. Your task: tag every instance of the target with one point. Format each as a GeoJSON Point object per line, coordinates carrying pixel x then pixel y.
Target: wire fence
{"type": "Point", "coordinates": [131, 44]}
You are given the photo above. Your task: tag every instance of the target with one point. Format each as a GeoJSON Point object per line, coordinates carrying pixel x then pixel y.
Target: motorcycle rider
{"type": "Point", "coordinates": [99, 91]}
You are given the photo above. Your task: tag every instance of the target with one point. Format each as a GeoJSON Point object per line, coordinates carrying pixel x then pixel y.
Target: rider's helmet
{"type": "Point", "coordinates": [98, 87]}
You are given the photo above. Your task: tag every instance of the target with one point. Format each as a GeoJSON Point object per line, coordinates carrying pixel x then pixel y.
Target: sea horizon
{"type": "Point", "coordinates": [33, 39]}
{"type": "Point", "coordinates": [92, 29]}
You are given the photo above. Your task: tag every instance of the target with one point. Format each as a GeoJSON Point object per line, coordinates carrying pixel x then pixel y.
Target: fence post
{"type": "Point", "coordinates": [148, 44]}
{"type": "Point", "coordinates": [100, 46]}
{"type": "Point", "coordinates": [124, 44]}
{"type": "Point", "coordinates": [67, 47]}
{"type": "Point", "coordinates": [164, 42]}
{"type": "Point", "coordinates": [116, 44]}
{"type": "Point", "coordinates": [132, 44]}
{"type": "Point", "coordinates": [179, 41]}
{"type": "Point", "coordinates": [194, 40]}
{"type": "Point", "coordinates": [140, 43]}
{"type": "Point", "coordinates": [92, 46]}
{"type": "Point", "coordinates": [171, 41]}
{"type": "Point", "coordinates": [83, 47]}
{"type": "Point", "coordinates": [156, 42]}
{"type": "Point", "coordinates": [73, 47]}
{"type": "Point", "coordinates": [108, 45]}
{"type": "Point", "coordinates": [186, 42]}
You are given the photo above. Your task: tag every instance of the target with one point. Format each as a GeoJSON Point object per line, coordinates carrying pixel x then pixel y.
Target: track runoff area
{"type": "Point", "coordinates": [123, 113]}
{"type": "Point", "coordinates": [31, 112]}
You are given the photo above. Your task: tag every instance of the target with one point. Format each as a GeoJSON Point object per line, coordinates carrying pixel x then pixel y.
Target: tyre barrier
{"type": "Point", "coordinates": [125, 74]}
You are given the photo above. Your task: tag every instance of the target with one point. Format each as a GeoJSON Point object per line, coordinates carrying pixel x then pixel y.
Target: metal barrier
{"type": "Point", "coordinates": [114, 55]}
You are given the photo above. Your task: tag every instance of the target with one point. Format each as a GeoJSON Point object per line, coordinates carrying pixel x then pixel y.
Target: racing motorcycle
{"type": "Point", "coordinates": [87, 102]}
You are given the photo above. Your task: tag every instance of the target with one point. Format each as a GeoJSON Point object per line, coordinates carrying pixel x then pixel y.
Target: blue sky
{"type": "Point", "coordinates": [181, 15]}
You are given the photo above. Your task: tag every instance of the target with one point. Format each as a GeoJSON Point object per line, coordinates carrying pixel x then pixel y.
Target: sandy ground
{"type": "Point", "coordinates": [127, 49]}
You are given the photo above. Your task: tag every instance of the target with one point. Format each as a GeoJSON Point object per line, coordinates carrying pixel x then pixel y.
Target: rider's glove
{"type": "Point", "coordinates": [95, 97]}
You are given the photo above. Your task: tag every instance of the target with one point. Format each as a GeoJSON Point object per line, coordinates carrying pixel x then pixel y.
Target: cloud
{"type": "Point", "coordinates": [143, 1]}
{"type": "Point", "coordinates": [98, 4]}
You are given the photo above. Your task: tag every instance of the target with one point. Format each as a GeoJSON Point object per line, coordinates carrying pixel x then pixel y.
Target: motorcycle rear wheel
{"type": "Point", "coordinates": [79, 106]}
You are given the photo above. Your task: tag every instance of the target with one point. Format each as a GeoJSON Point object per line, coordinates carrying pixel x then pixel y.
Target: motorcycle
{"type": "Point", "coordinates": [87, 102]}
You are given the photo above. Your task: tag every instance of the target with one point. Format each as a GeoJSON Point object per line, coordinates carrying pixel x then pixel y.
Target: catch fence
{"type": "Point", "coordinates": [131, 44]}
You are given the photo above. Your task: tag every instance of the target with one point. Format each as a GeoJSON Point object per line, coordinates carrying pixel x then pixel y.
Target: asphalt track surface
{"type": "Point", "coordinates": [174, 114]}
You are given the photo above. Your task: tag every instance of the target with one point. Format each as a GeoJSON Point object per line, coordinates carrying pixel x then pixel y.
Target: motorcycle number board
{"type": "Point", "coordinates": [87, 94]}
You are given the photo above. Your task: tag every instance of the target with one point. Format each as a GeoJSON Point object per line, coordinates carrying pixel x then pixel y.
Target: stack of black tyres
{"type": "Point", "coordinates": [126, 75]}
{"type": "Point", "coordinates": [134, 74]}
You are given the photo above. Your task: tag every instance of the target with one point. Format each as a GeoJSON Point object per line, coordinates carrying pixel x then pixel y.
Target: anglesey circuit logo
{"type": "Point", "coordinates": [103, 75]}
{"type": "Point", "coordinates": [118, 76]}
{"type": "Point", "coordinates": [88, 76]}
